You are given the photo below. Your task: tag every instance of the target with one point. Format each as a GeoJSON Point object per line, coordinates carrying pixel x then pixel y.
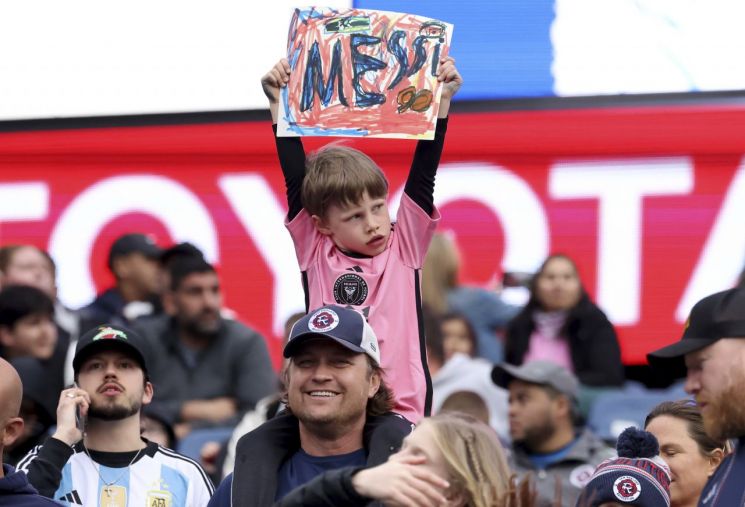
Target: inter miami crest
{"type": "Point", "coordinates": [350, 289]}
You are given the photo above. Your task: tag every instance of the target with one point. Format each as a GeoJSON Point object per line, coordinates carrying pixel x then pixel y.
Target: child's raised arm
{"type": "Point", "coordinates": [420, 185]}
{"type": "Point", "coordinates": [289, 149]}
{"type": "Point", "coordinates": [277, 77]}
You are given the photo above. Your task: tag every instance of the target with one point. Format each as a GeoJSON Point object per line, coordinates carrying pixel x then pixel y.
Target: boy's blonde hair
{"type": "Point", "coordinates": [474, 458]}
{"type": "Point", "coordinates": [339, 175]}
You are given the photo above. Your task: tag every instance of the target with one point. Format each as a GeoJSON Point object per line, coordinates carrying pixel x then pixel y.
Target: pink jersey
{"type": "Point", "coordinates": [385, 288]}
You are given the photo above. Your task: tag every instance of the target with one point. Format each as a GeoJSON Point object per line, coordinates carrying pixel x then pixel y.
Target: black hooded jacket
{"type": "Point", "coordinates": [593, 345]}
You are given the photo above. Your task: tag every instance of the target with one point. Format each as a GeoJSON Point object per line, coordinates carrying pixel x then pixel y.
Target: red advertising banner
{"type": "Point", "coordinates": [650, 202]}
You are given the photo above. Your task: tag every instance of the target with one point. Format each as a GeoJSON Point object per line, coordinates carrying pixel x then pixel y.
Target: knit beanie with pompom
{"type": "Point", "coordinates": [638, 476]}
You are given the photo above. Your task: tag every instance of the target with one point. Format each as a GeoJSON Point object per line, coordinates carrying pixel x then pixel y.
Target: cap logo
{"type": "Point", "coordinates": [109, 333]}
{"type": "Point", "coordinates": [627, 488]}
{"type": "Point", "coordinates": [323, 320]}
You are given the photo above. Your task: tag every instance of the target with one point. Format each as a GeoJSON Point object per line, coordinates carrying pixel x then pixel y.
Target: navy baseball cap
{"type": "Point", "coordinates": [109, 337]}
{"type": "Point", "coordinates": [131, 243]}
{"type": "Point", "coordinates": [720, 315]}
{"type": "Point", "coordinates": [345, 326]}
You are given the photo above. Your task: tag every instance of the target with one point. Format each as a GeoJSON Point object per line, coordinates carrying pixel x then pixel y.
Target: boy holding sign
{"type": "Point", "coordinates": [349, 251]}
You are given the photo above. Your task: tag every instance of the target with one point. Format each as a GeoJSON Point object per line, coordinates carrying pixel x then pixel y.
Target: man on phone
{"type": "Point", "coordinates": [97, 456]}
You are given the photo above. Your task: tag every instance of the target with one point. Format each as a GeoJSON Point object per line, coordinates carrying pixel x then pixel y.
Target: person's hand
{"type": "Point", "coordinates": [277, 77]}
{"type": "Point", "coordinates": [402, 482]}
{"type": "Point", "coordinates": [208, 456]}
{"type": "Point", "coordinates": [67, 425]}
{"type": "Point", "coordinates": [448, 74]}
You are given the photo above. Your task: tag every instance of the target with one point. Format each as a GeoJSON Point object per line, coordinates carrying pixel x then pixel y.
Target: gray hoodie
{"type": "Point", "coordinates": [573, 470]}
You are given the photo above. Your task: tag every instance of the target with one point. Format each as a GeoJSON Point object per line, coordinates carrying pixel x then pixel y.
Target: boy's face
{"type": "Point", "coordinates": [34, 335]}
{"type": "Point", "coordinates": [362, 228]}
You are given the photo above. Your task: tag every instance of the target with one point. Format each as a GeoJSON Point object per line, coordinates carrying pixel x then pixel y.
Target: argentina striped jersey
{"type": "Point", "coordinates": [158, 477]}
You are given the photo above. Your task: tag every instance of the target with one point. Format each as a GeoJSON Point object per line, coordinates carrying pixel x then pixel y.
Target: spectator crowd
{"type": "Point", "coordinates": [399, 385]}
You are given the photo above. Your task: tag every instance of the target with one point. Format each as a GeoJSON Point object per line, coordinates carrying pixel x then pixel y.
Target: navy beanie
{"type": "Point", "coordinates": [637, 477]}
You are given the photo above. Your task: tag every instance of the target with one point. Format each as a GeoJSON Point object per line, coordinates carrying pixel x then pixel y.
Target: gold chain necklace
{"type": "Point", "coordinates": [107, 485]}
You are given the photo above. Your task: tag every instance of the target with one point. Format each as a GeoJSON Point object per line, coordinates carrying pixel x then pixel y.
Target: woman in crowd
{"type": "Point", "coordinates": [561, 324]}
{"type": "Point", "coordinates": [484, 309]}
{"type": "Point", "coordinates": [448, 460]}
{"type": "Point", "coordinates": [690, 453]}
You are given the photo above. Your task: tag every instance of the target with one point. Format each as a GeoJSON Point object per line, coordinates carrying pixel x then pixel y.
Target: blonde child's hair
{"type": "Point", "coordinates": [475, 460]}
{"type": "Point", "coordinates": [339, 175]}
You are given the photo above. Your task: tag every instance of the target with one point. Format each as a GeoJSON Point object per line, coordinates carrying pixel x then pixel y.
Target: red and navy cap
{"type": "Point", "coordinates": [345, 326]}
{"type": "Point", "coordinates": [108, 337]}
{"type": "Point", "coordinates": [720, 315]}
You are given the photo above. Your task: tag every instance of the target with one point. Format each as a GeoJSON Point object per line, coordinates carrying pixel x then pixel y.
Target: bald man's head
{"type": "Point", "coordinates": [11, 391]}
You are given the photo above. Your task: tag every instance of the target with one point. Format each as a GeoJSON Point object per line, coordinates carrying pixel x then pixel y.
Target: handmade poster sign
{"type": "Point", "coordinates": [362, 72]}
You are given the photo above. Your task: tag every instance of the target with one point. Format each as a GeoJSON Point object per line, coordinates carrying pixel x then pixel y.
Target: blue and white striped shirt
{"type": "Point", "coordinates": [159, 477]}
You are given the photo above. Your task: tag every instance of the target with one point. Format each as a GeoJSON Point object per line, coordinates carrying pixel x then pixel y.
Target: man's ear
{"type": "Point", "coordinates": [321, 225]}
{"type": "Point", "coordinates": [147, 395]}
{"type": "Point", "coordinates": [563, 405]}
{"type": "Point", "coordinates": [374, 384]}
{"type": "Point", "coordinates": [715, 458]}
{"type": "Point", "coordinates": [13, 430]}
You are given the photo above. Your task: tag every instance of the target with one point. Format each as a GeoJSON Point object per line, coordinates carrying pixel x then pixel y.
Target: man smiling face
{"type": "Point", "coordinates": [329, 385]}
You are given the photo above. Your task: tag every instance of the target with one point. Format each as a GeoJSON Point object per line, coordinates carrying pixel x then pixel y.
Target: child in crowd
{"type": "Point", "coordinates": [458, 336]}
{"type": "Point", "coordinates": [349, 251]}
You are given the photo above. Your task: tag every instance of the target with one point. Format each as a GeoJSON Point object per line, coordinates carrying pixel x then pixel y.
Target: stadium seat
{"type": "Point", "coordinates": [191, 444]}
{"type": "Point", "coordinates": [612, 413]}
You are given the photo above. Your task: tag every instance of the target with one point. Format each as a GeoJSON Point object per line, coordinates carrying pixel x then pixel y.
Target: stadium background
{"type": "Point", "coordinates": [613, 135]}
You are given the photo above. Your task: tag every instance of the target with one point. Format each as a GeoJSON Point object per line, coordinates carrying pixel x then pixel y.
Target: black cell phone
{"type": "Point", "coordinates": [79, 418]}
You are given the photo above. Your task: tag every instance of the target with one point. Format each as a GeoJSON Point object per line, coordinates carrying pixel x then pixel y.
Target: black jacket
{"type": "Point", "coordinates": [596, 355]}
{"type": "Point", "coordinates": [260, 454]}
